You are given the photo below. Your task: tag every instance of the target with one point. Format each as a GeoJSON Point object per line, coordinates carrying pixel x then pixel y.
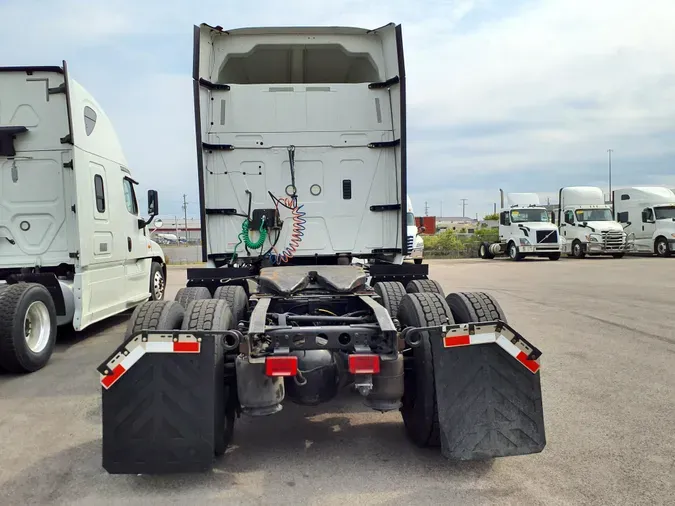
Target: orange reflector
{"type": "Point", "coordinates": [281, 366]}
{"type": "Point", "coordinates": [364, 364]}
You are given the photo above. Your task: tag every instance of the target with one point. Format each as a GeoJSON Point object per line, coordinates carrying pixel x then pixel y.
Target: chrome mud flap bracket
{"type": "Point", "coordinates": [488, 391]}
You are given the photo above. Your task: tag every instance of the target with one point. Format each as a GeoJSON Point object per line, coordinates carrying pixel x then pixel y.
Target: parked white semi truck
{"type": "Point", "coordinates": [586, 224]}
{"type": "Point", "coordinates": [414, 239]}
{"type": "Point", "coordinates": [301, 156]}
{"type": "Point", "coordinates": [525, 229]}
{"type": "Point", "coordinates": [73, 247]}
{"type": "Point", "coordinates": [648, 216]}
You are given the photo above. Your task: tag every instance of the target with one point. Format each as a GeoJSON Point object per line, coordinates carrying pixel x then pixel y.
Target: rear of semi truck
{"type": "Point", "coordinates": [302, 169]}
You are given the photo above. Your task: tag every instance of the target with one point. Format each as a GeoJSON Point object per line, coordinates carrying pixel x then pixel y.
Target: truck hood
{"type": "Point", "coordinates": [538, 225]}
{"type": "Point", "coordinates": [605, 226]}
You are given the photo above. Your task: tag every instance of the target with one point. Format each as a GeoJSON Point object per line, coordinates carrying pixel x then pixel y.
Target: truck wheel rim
{"type": "Point", "coordinates": [577, 249]}
{"type": "Point", "coordinates": [512, 251]}
{"type": "Point", "coordinates": [482, 250]}
{"type": "Point", "coordinates": [37, 326]}
{"type": "Point", "coordinates": [661, 248]}
{"type": "Point", "coordinates": [158, 285]}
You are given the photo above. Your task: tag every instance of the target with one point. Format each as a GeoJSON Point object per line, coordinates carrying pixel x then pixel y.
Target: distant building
{"type": "Point", "coordinates": [176, 226]}
{"type": "Point", "coordinates": [457, 223]}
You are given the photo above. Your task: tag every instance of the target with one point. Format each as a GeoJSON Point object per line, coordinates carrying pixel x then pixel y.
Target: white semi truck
{"type": "Point", "coordinates": [648, 216]}
{"type": "Point", "coordinates": [525, 229]}
{"type": "Point", "coordinates": [586, 224]}
{"type": "Point", "coordinates": [413, 237]}
{"type": "Point", "coordinates": [73, 248]}
{"type": "Point", "coordinates": [301, 157]}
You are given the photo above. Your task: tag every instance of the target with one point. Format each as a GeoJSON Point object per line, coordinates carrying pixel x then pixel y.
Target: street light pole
{"type": "Point", "coordinates": [609, 152]}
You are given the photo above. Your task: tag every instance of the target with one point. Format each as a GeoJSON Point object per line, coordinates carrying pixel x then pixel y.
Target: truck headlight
{"type": "Point", "coordinates": [672, 235]}
{"type": "Point", "coordinates": [524, 241]}
{"type": "Point", "coordinates": [591, 238]}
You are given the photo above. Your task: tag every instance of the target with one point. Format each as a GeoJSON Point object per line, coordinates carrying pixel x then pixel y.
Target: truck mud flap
{"type": "Point", "coordinates": [488, 392]}
{"type": "Point", "coordinates": [162, 403]}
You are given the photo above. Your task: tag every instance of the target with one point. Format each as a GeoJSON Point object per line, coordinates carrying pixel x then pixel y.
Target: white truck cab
{"type": "Point", "coordinates": [525, 229]}
{"type": "Point", "coordinates": [587, 226]}
{"type": "Point", "coordinates": [73, 247]}
{"type": "Point", "coordinates": [648, 215]}
{"type": "Point", "coordinates": [415, 240]}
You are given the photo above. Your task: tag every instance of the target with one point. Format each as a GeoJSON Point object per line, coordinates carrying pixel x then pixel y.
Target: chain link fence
{"type": "Point", "coordinates": [449, 244]}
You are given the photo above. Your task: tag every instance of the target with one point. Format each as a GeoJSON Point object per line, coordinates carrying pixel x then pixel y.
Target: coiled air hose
{"type": "Point", "coordinates": [297, 232]}
{"type": "Point", "coordinates": [246, 239]}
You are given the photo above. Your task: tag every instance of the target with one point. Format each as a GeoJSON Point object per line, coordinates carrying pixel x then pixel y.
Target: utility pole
{"type": "Point", "coordinates": [495, 208]}
{"type": "Point", "coordinates": [185, 212]}
{"type": "Point", "coordinates": [426, 208]}
{"type": "Point", "coordinates": [463, 207]}
{"type": "Point", "coordinates": [441, 209]}
{"type": "Point", "coordinates": [609, 151]}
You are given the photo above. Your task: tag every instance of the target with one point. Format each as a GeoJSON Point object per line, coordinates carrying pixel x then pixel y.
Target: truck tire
{"type": "Point", "coordinates": [157, 282]}
{"type": "Point", "coordinates": [424, 286]}
{"type": "Point", "coordinates": [484, 251]}
{"type": "Point", "coordinates": [155, 315]}
{"type": "Point", "coordinates": [236, 298]}
{"type": "Point", "coordinates": [216, 315]}
{"type": "Point", "coordinates": [419, 409]}
{"type": "Point", "coordinates": [554, 256]}
{"type": "Point", "coordinates": [578, 249]}
{"type": "Point", "coordinates": [513, 252]}
{"type": "Point", "coordinates": [469, 307]}
{"type": "Point", "coordinates": [190, 293]}
{"type": "Point", "coordinates": [391, 293]}
{"type": "Point", "coordinates": [618, 255]}
{"type": "Point", "coordinates": [27, 327]}
{"type": "Point", "coordinates": [661, 247]}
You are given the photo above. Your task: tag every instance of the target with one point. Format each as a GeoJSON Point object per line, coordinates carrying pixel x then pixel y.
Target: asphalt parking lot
{"type": "Point", "coordinates": [606, 330]}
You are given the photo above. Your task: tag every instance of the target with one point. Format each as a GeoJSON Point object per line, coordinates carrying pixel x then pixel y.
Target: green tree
{"type": "Point", "coordinates": [493, 216]}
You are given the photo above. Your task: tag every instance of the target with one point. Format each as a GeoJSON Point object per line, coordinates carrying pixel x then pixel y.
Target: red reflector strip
{"type": "Point", "coordinates": [450, 341]}
{"type": "Point", "coordinates": [281, 366]}
{"type": "Point", "coordinates": [186, 347]}
{"type": "Point", "coordinates": [364, 364]}
{"type": "Point", "coordinates": [530, 364]}
{"type": "Point", "coordinates": [108, 380]}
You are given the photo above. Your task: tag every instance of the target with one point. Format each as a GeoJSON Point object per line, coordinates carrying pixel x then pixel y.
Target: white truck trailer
{"type": "Point", "coordinates": [413, 237]}
{"type": "Point", "coordinates": [301, 143]}
{"type": "Point", "coordinates": [586, 224]}
{"type": "Point", "coordinates": [73, 248]}
{"type": "Point", "coordinates": [525, 229]}
{"type": "Point", "coordinates": [648, 216]}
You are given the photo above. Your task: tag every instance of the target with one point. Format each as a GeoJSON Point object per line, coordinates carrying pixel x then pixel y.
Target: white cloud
{"type": "Point", "coordinates": [492, 89]}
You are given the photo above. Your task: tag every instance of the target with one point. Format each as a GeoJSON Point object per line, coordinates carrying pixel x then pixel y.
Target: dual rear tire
{"type": "Point", "coordinates": [419, 407]}
{"type": "Point", "coordinates": [194, 309]}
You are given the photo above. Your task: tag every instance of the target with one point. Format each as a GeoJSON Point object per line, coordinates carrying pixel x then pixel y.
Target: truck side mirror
{"type": "Point", "coordinates": [153, 203]}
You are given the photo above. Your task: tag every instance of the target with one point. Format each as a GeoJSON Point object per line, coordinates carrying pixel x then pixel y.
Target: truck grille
{"type": "Point", "coordinates": [411, 243]}
{"type": "Point", "coordinates": [542, 236]}
{"type": "Point", "coordinates": [613, 240]}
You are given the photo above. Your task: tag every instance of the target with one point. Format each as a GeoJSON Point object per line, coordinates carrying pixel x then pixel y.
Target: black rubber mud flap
{"type": "Point", "coordinates": [488, 404]}
{"type": "Point", "coordinates": [164, 413]}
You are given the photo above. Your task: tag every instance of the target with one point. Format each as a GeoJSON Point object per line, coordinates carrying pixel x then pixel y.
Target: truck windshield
{"type": "Point", "coordinates": [664, 213]}
{"type": "Point", "coordinates": [593, 215]}
{"type": "Point", "coordinates": [411, 220]}
{"type": "Point", "coordinates": [525, 215]}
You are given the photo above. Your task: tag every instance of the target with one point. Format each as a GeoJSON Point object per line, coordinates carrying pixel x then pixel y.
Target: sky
{"type": "Point", "coordinates": [524, 95]}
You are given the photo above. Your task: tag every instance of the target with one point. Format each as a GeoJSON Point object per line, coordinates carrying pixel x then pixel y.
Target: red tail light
{"type": "Point", "coordinates": [364, 364]}
{"type": "Point", "coordinates": [281, 366]}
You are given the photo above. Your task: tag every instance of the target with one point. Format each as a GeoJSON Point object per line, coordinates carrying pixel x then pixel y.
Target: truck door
{"type": "Point", "coordinates": [137, 265]}
{"type": "Point", "coordinates": [648, 227]}
{"type": "Point", "coordinates": [566, 223]}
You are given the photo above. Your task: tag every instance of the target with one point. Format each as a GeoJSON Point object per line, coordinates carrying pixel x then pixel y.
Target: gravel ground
{"type": "Point", "coordinates": [608, 376]}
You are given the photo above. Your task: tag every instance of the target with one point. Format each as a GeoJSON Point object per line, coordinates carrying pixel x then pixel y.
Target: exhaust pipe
{"type": "Point", "coordinates": [501, 198]}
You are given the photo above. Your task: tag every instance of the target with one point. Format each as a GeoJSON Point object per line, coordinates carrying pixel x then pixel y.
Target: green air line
{"type": "Point", "coordinates": [244, 237]}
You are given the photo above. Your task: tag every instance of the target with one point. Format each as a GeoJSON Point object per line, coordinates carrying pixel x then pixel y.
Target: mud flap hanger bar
{"type": "Point", "coordinates": [160, 341]}
{"type": "Point", "coordinates": [493, 332]}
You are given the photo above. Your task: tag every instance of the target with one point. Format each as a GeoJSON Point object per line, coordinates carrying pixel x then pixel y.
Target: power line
{"type": "Point", "coordinates": [185, 203]}
{"type": "Point", "coordinates": [464, 207]}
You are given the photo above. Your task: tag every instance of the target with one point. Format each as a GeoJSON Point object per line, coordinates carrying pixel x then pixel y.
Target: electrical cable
{"type": "Point", "coordinates": [297, 230]}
